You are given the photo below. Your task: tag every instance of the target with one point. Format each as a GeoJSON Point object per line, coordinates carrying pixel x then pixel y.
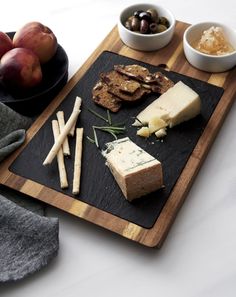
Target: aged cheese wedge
{"type": "Point", "coordinates": [136, 172]}
{"type": "Point", "coordinates": [180, 103]}
{"type": "Point", "coordinates": [149, 112]}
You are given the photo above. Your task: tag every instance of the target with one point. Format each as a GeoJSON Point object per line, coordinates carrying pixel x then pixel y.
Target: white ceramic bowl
{"type": "Point", "coordinates": [205, 62]}
{"type": "Point", "coordinates": [145, 42]}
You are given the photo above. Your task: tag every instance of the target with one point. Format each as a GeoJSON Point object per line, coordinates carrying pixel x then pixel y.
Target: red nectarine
{"type": "Point", "coordinates": [5, 43]}
{"type": "Point", "coordinates": [20, 69]}
{"type": "Point", "coordinates": [37, 37]}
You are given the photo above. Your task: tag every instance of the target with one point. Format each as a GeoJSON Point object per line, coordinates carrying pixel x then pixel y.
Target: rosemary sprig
{"type": "Point", "coordinates": [109, 117]}
{"type": "Point", "coordinates": [95, 137]}
{"type": "Point", "coordinates": [90, 139]}
{"type": "Point", "coordinates": [98, 115]}
{"type": "Point", "coordinates": [113, 129]}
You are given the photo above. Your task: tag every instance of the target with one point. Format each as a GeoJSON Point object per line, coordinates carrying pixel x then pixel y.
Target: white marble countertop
{"type": "Point", "coordinates": [198, 257]}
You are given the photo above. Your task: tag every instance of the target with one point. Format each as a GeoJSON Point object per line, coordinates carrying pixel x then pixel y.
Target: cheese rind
{"type": "Point", "coordinates": [180, 103]}
{"type": "Point", "coordinates": [136, 172]}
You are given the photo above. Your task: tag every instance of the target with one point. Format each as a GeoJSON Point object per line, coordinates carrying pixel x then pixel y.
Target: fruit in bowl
{"type": "Point", "coordinates": [26, 85]}
{"type": "Point", "coordinates": [31, 46]}
{"type": "Point", "coordinates": [5, 43]}
{"type": "Point", "coordinates": [38, 38]}
{"type": "Point", "coordinates": [20, 69]}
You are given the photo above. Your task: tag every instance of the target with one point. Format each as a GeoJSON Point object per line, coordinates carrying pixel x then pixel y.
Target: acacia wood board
{"type": "Point", "coordinates": [152, 235]}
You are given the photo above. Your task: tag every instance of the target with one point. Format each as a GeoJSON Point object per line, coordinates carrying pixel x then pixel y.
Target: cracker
{"type": "Point", "coordinates": [114, 81]}
{"type": "Point", "coordinates": [102, 97]}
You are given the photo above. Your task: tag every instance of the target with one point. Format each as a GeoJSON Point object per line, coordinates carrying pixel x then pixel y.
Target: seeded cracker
{"type": "Point", "coordinates": [114, 81]}
{"type": "Point", "coordinates": [157, 82]}
{"type": "Point", "coordinates": [102, 97]}
{"type": "Point", "coordinates": [135, 71]}
{"type": "Point", "coordinates": [161, 83]}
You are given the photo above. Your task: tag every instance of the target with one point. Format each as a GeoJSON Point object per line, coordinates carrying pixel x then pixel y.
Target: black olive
{"type": "Point", "coordinates": [144, 26]}
{"type": "Point", "coordinates": [137, 13]}
{"type": "Point", "coordinates": [145, 16]}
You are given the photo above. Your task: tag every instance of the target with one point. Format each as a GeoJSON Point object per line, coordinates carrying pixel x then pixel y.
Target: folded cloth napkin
{"type": "Point", "coordinates": [27, 241]}
{"type": "Point", "coordinates": [12, 135]}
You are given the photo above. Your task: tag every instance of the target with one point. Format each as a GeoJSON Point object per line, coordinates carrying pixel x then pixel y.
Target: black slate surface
{"type": "Point", "coordinates": [98, 188]}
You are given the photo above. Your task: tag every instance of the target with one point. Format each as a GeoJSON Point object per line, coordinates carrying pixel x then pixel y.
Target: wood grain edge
{"type": "Point", "coordinates": [71, 205]}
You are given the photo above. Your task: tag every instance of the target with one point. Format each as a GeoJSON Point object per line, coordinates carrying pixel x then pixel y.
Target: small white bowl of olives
{"type": "Point", "coordinates": [146, 27]}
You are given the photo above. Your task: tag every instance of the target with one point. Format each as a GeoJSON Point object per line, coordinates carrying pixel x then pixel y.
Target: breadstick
{"type": "Point", "coordinates": [61, 122]}
{"type": "Point", "coordinates": [77, 162]}
{"type": "Point", "coordinates": [60, 157]}
{"type": "Point", "coordinates": [71, 121]}
{"type": "Point", "coordinates": [72, 130]}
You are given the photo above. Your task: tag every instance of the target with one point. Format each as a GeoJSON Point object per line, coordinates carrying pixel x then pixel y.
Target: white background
{"type": "Point", "coordinates": [198, 257]}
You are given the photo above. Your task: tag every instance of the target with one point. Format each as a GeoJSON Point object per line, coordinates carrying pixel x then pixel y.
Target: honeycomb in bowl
{"type": "Point", "coordinates": [214, 42]}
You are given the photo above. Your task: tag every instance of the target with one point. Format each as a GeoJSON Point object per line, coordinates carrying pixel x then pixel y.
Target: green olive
{"type": "Point", "coordinates": [164, 21]}
{"type": "Point", "coordinates": [135, 24]}
{"type": "Point", "coordinates": [154, 14]}
{"type": "Point", "coordinates": [161, 28]}
{"type": "Point", "coordinates": [128, 25]}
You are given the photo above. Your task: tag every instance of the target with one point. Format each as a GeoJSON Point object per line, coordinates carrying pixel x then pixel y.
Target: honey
{"type": "Point", "coordinates": [214, 42]}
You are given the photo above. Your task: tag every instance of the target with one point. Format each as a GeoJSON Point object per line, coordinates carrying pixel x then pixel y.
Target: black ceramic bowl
{"type": "Point", "coordinates": [32, 102]}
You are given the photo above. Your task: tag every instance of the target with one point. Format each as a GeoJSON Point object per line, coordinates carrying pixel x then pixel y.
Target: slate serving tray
{"type": "Point", "coordinates": [166, 209]}
{"type": "Point", "coordinates": [98, 188]}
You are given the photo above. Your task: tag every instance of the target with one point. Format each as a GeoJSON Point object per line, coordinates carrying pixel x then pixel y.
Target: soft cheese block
{"type": "Point", "coordinates": [136, 172]}
{"type": "Point", "coordinates": [180, 103]}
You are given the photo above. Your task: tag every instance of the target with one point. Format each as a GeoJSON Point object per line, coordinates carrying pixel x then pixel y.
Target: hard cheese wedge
{"type": "Point", "coordinates": [136, 172]}
{"type": "Point", "coordinates": [180, 103]}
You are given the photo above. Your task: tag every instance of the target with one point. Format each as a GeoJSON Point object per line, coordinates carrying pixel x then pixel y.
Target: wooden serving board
{"type": "Point", "coordinates": [150, 234]}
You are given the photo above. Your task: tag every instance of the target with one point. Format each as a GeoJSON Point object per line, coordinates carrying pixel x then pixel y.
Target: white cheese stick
{"type": "Point", "coordinates": [72, 130]}
{"type": "Point", "coordinates": [77, 162]}
{"type": "Point", "coordinates": [69, 124]}
{"type": "Point", "coordinates": [60, 157]}
{"type": "Point", "coordinates": [61, 122]}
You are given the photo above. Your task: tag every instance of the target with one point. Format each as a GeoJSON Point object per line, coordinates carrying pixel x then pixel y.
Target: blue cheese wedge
{"type": "Point", "coordinates": [136, 172]}
{"type": "Point", "coordinates": [180, 103]}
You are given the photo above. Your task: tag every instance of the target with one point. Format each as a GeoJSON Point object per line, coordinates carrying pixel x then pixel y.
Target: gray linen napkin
{"type": "Point", "coordinates": [27, 241]}
{"type": "Point", "coordinates": [11, 121]}
{"type": "Point", "coordinates": [12, 135]}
